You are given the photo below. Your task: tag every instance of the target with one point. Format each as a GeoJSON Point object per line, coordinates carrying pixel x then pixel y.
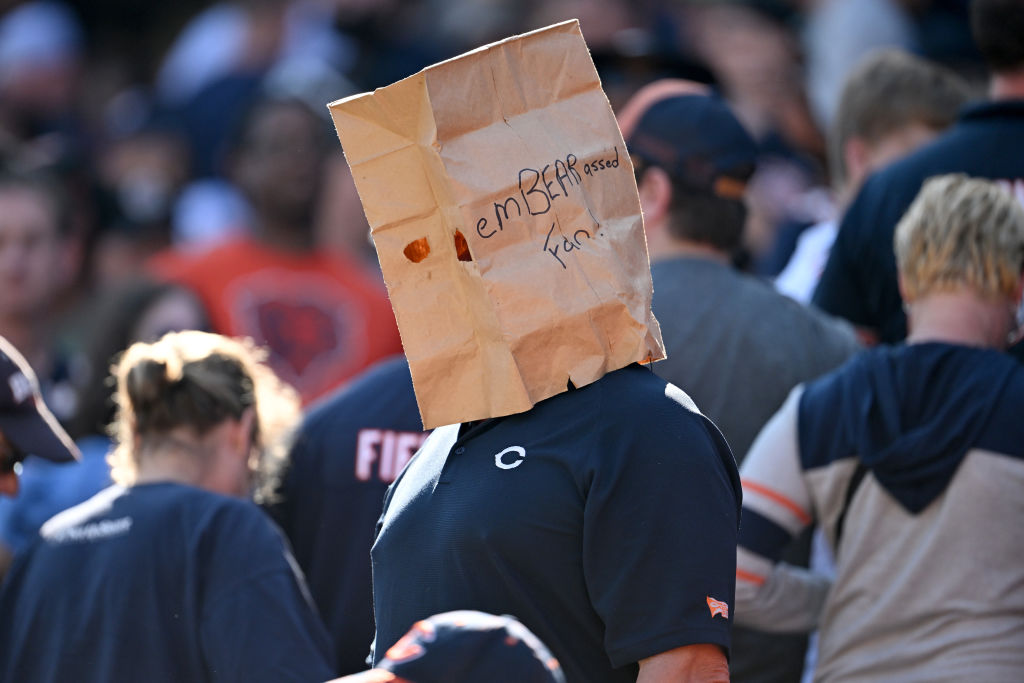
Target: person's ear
{"type": "Point", "coordinates": [655, 188]}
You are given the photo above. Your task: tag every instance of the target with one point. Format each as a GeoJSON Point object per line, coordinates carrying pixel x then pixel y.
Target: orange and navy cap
{"type": "Point", "coordinates": [698, 141]}
{"type": "Point", "coordinates": [25, 421]}
{"type": "Point", "coordinates": [466, 647]}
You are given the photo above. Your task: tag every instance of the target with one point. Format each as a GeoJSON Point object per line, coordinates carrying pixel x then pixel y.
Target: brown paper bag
{"type": "Point", "coordinates": [505, 214]}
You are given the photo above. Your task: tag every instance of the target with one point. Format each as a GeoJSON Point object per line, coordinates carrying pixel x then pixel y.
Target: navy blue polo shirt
{"type": "Point", "coordinates": [351, 446]}
{"type": "Point", "coordinates": [159, 582]}
{"type": "Point", "coordinates": [859, 282]}
{"type": "Point", "coordinates": [605, 519]}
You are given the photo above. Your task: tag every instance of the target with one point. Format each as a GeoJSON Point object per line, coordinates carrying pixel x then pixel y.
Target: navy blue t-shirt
{"type": "Point", "coordinates": [604, 519]}
{"type": "Point", "coordinates": [859, 282]}
{"type": "Point", "coordinates": [159, 582]}
{"type": "Point", "coordinates": [350, 448]}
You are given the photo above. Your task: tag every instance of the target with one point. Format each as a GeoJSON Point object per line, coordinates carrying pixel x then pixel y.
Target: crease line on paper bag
{"type": "Point", "coordinates": [440, 190]}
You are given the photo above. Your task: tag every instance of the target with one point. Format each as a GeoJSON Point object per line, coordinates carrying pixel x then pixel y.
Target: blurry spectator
{"type": "Point", "coordinates": [393, 39]}
{"type": "Point", "coordinates": [351, 446]}
{"type": "Point", "coordinates": [891, 104]}
{"type": "Point", "coordinates": [222, 39]}
{"type": "Point", "coordinates": [839, 35]}
{"type": "Point", "coordinates": [736, 345]}
{"type": "Point", "coordinates": [232, 51]}
{"type": "Point", "coordinates": [465, 647]}
{"type": "Point", "coordinates": [340, 222]}
{"type": "Point", "coordinates": [26, 427]}
{"type": "Point", "coordinates": [244, 36]}
{"type": "Point", "coordinates": [322, 316]}
{"type": "Point", "coordinates": [912, 459]}
{"type": "Point", "coordinates": [142, 168]}
{"type": "Point", "coordinates": [859, 280]}
{"type": "Point", "coordinates": [40, 51]}
{"type": "Point", "coordinates": [136, 312]}
{"type": "Point", "coordinates": [733, 343]}
{"type": "Point", "coordinates": [37, 263]}
{"type": "Point", "coordinates": [756, 59]}
{"type": "Point", "coordinates": [168, 551]}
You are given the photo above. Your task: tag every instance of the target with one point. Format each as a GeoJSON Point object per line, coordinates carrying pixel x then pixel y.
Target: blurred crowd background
{"type": "Point", "coordinates": [132, 140]}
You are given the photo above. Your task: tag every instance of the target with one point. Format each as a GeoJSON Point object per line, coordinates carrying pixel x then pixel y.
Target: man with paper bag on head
{"type": "Point", "coordinates": [565, 484]}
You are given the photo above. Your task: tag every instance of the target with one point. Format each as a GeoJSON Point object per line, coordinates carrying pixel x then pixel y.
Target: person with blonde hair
{"type": "Point", "coordinates": [170, 575]}
{"type": "Point", "coordinates": [911, 459]}
{"type": "Point", "coordinates": [859, 281]}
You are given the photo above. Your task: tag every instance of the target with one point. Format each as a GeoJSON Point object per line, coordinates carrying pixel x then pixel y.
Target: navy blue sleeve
{"type": "Point", "coordinates": [660, 526]}
{"type": "Point", "coordinates": [257, 621]}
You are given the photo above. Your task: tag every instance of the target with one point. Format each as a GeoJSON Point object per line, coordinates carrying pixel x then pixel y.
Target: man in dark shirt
{"type": "Point", "coordinates": [351, 446]}
{"type": "Point", "coordinates": [859, 281]}
{"type": "Point", "coordinates": [602, 519]}
{"type": "Point", "coordinates": [581, 493]}
{"type": "Point", "coordinates": [734, 344]}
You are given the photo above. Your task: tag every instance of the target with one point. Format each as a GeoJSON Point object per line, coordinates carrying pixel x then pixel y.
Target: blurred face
{"type": "Point", "coordinates": [30, 252]}
{"type": "Point", "coordinates": [279, 167]}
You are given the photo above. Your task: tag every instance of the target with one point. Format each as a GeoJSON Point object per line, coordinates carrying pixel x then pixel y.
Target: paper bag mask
{"type": "Point", "coordinates": [505, 214]}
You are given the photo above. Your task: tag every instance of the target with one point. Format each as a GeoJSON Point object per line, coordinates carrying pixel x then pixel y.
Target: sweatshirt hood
{"type": "Point", "coordinates": [911, 413]}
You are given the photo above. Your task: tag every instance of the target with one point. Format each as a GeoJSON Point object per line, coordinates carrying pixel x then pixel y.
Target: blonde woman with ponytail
{"type": "Point", "coordinates": [173, 574]}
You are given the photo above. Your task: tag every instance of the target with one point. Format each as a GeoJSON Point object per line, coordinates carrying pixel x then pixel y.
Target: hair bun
{"type": "Point", "coordinates": [150, 379]}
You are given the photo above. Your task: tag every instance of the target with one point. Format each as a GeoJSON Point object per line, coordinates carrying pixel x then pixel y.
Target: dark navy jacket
{"type": "Point", "coordinates": [604, 519]}
{"type": "Point", "coordinates": [351, 447]}
{"type": "Point", "coordinates": [159, 582]}
{"type": "Point", "coordinates": [859, 280]}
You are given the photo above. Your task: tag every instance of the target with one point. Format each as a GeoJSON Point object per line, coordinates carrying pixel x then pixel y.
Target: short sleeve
{"type": "Point", "coordinates": [257, 620]}
{"type": "Point", "coordinates": [660, 525]}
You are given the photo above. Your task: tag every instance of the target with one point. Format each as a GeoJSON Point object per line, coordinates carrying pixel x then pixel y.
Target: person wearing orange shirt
{"type": "Point", "coordinates": [322, 316]}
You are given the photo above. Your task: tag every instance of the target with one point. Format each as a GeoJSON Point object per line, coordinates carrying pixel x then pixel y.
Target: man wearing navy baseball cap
{"type": "Point", "coordinates": [27, 427]}
{"type": "Point", "coordinates": [734, 344]}
{"type": "Point", "coordinates": [465, 646]}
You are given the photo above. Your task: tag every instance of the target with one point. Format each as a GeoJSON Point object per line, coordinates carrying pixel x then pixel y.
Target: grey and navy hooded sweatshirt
{"type": "Point", "coordinates": [911, 461]}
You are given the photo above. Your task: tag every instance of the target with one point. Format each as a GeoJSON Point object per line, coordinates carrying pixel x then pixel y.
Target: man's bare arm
{"type": "Point", "coordinates": [703, 663]}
